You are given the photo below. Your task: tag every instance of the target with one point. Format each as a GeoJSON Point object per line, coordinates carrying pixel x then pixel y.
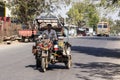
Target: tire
{"type": "Point", "coordinates": [43, 64]}
{"type": "Point", "coordinates": [38, 62]}
{"type": "Point", "coordinates": [68, 51]}
{"type": "Point", "coordinates": [68, 64]}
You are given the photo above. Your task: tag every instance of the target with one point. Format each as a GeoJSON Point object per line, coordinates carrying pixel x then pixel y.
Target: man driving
{"type": "Point", "coordinates": [50, 32]}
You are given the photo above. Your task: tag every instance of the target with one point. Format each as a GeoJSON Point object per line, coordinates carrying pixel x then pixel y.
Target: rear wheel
{"type": "Point", "coordinates": [68, 51]}
{"type": "Point", "coordinates": [68, 63]}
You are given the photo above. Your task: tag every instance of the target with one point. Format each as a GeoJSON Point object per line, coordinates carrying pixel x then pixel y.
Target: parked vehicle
{"type": "Point", "coordinates": [81, 32]}
{"type": "Point", "coordinates": [27, 34]}
{"type": "Point", "coordinates": [89, 31]}
{"type": "Point", "coordinates": [103, 29]}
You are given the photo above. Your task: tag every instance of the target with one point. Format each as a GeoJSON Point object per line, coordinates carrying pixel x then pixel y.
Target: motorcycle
{"type": "Point", "coordinates": [50, 51]}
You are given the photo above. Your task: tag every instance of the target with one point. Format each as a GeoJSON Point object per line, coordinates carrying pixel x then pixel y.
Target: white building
{"type": "Point", "coordinates": [8, 11]}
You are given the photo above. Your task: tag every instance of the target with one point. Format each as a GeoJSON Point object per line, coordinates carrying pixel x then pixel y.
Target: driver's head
{"type": "Point", "coordinates": [49, 26]}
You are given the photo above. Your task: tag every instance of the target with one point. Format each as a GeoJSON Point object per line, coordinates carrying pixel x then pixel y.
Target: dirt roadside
{"type": "Point", "coordinates": [9, 43]}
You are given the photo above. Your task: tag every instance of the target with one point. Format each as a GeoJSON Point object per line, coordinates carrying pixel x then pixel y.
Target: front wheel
{"type": "Point", "coordinates": [38, 62]}
{"type": "Point", "coordinates": [68, 51]}
{"type": "Point", "coordinates": [43, 64]}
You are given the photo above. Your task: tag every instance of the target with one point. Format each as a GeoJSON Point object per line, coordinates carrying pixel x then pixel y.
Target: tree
{"type": "Point", "coordinates": [116, 26]}
{"type": "Point", "coordinates": [92, 15]}
{"type": "Point", "coordinates": [76, 14]}
{"type": "Point", "coordinates": [82, 13]}
{"type": "Point", "coordinates": [114, 1]}
{"type": "Point", "coordinates": [110, 3]}
{"type": "Point", "coordinates": [2, 9]}
{"type": "Point", "coordinates": [26, 10]}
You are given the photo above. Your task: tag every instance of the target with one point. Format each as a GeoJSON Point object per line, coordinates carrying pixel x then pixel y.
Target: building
{"type": "Point", "coordinates": [4, 11]}
{"type": "Point", "coordinates": [5, 21]}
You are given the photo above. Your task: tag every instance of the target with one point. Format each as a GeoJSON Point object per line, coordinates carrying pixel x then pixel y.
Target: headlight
{"type": "Point", "coordinates": [55, 47]}
{"type": "Point", "coordinates": [38, 47]}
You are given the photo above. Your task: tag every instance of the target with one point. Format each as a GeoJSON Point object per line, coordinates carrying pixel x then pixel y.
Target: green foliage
{"type": "Point", "coordinates": [82, 13]}
{"type": "Point", "coordinates": [114, 25]}
{"type": "Point", "coordinates": [110, 3]}
{"type": "Point", "coordinates": [25, 10]}
{"type": "Point", "coordinates": [110, 6]}
{"type": "Point", "coordinates": [103, 2]}
{"type": "Point", "coordinates": [76, 13]}
{"type": "Point", "coordinates": [1, 4]}
{"type": "Point", "coordinates": [93, 17]}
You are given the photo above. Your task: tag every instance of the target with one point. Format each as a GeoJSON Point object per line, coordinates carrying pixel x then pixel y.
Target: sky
{"type": "Point", "coordinates": [113, 14]}
{"type": "Point", "coordinates": [103, 12]}
{"type": "Point", "coordinates": [62, 11]}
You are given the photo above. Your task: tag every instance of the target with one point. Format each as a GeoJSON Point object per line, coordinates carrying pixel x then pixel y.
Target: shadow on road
{"type": "Point", "coordinates": [50, 67]}
{"type": "Point", "coordinates": [99, 52]}
{"type": "Point", "coordinates": [104, 70]}
{"type": "Point", "coordinates": [102, 38]}
{"type": "Point", "coordinates": [31, 66]}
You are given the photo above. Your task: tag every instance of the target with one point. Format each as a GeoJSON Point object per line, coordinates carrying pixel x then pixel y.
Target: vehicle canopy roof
{"type": "Point", "coordinates": [48, 18]}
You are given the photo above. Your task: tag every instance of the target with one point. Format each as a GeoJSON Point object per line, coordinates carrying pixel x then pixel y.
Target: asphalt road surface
{"type": "Point", "coordinates": [93, 58]}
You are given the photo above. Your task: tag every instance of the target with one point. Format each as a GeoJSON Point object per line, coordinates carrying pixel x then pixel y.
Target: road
{"type": "Point", "coordinates": [93, 58]}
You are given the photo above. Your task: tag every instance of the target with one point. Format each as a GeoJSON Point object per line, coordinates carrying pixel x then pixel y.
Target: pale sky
{"type": "Point", "coordinates": [64, 10]}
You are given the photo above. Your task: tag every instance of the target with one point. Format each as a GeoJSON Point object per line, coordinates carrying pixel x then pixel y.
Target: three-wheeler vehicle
{"type": "Point", "coordinates": [51, 51]}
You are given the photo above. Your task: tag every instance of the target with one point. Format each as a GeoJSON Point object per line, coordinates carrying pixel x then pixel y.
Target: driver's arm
{"type": "Point", "coordinates": [44, 32]}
